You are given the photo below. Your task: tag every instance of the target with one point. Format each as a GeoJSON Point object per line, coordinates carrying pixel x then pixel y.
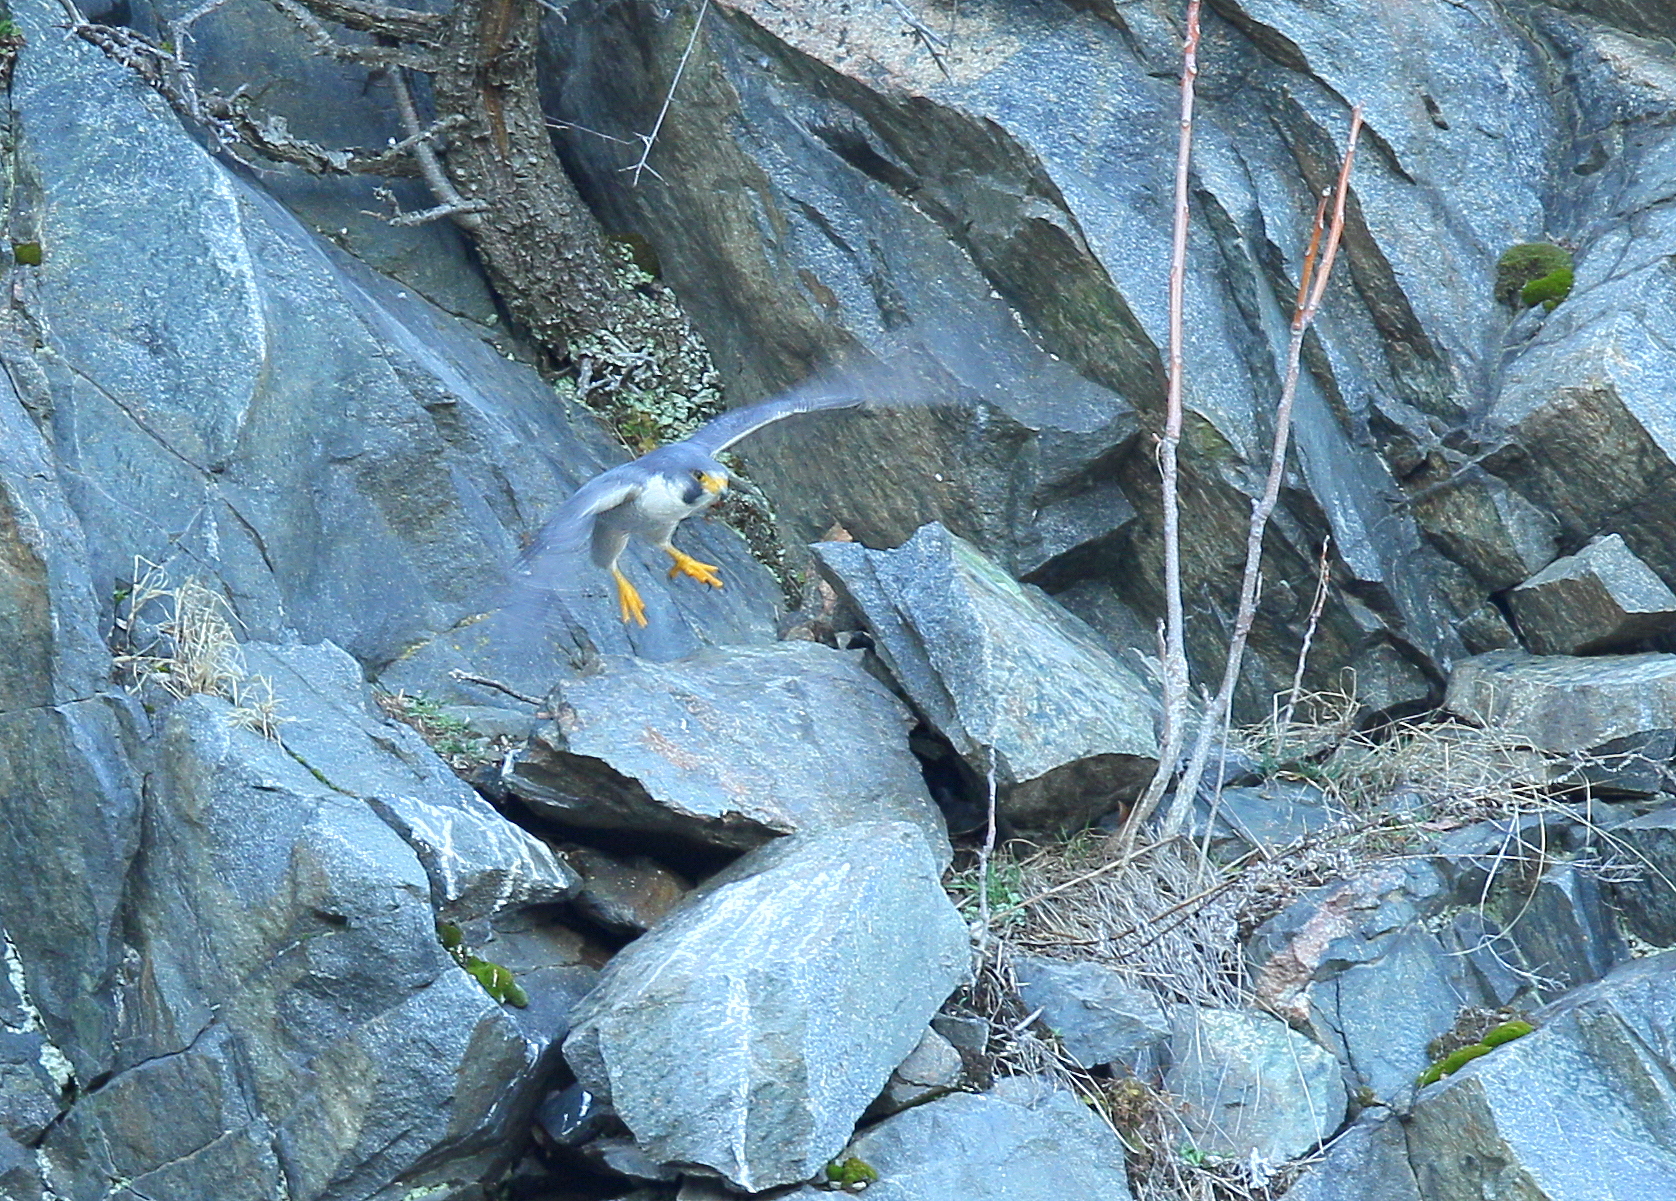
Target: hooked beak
{"type": "Point", "coordinates": [713, 483]}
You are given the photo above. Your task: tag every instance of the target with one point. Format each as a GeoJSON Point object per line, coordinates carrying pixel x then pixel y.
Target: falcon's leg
{"type": "Point", "coordinates": [634, 609]}
{"type": "Point", "coordinates": [685, 564]}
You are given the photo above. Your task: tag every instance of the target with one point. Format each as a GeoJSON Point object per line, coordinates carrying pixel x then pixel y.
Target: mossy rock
{"type": "Point", "coordinates": [851, 1175]}
{"type": "Point", "coordinates": [496, 981]}
{"type": "Point", "coordinates": [1456, 1060]}
{"type": "Point", "coordinates": [1531, 263]}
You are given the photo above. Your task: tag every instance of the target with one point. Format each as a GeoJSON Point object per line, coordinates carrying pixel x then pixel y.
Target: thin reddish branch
{"type": "Point", "coordinates": [1251, 578]}
{"type": "Point", "coordinates": [1307, 275]}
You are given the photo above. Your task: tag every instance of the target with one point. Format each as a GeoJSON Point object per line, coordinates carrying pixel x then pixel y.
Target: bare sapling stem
{"type": "Point", "coordinates": [1174, 682]}
{"type": "Point", "coordinates": [985, 854]}
{"type": "Point", "coordinates": [1310, 290]}
{"type": "Point", "coordinates": [1323, 573]}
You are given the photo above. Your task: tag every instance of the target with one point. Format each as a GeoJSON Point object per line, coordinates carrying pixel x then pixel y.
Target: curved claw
{"type": "Point", "coordinates": [628, 599]}
{"type": "Point", "coordinates": [704, 573]}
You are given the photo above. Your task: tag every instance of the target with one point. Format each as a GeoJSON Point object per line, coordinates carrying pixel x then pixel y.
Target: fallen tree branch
{"type": "Point", "coordinates": [322, 40]}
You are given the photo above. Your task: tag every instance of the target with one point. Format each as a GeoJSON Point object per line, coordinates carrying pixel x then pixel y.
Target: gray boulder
{"type": "Point", "coordinates": [1563, 704]}
{"type": "Point", "coordinates": [787, 989]}
{"type": "Point", "coordinates": [1581, 1109]}
{"type": "Point", "coordinates": [1380, 1014]}
{"type": "Point", "coordinates": [1250, 1086]}
{"type": "Point", "coordinates": [1098, 1016]}
{"type": "Point", "coordinates": [1342, 923]}
{"type": "Point", "coordinates": [933, 1067]}
{"type": "Point", "coordinates": [1267, 815]}
{"type": "Point", "coordinates": [1601, 598]}
{"type": "Point", "coordinates": [624, 895]}
{"type": "Point", "coordinates": [1023, 1142]}
{"type": "Point", "coordinates": [1368, 1162]}
{"type": "Point", "coordinates": [1488, 528]}
{"type": "Point", "coordinates": [731, 747]}
{"type": "Point", "coordinates": [1562, 928]}
{"type": "Point", "coordinates": [311, 1038]}
{"type": "Point", "coordinates": [1646, 846]}
{"type": "Point", "coordinates": [479, 863]}
{"type": "Point", "coordinates": [1002, 671]}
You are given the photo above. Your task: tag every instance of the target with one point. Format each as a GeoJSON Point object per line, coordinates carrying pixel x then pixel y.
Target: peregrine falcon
{"type": "Point", "coordinates": [657, 492]}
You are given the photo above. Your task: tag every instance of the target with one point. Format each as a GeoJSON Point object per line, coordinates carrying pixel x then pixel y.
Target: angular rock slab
{"type": "Point", "coordinates": [1564, 704]}
{"type": "Point", "coordinates": [1368, 1162]}
{"type": "Point", "coordinates": [478, 862]}
{"type": "Point", "coordinates": [1581, 1109]}
{"type": "Point", "coordinates": [1346, 922]}
{"type": "Point", "coordinates": [750, 1030]}
{"type": "Point", "coordinates": [730, 747]}
{"type": "Point", "coordinates": [1098, 1016]}
{"type": "Point", "coordinates": [932, 1068]}
{"type": "Point", "coordinates": [290, 1028]}
{"type": "Point", "coordinates": [1647, 844]}
{"type": "Point", "coordinates": [1382, 1013]}
{"type": "Point", "coordinates": [1023, 1143]}
{"type": "Point", "coordinates": [1598, 599]}
{"type": "Point", "coordinates": [1252, 1085]}
{"type": "Point", "coordinates": [999, 669]}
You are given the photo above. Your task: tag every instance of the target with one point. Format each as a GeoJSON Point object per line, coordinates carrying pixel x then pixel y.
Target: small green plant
{"type": "Point", "coordinates": [1006, 890]}
{"type": "Point", "coordinates": [1458, 1059]}
{"type": "Point", "coordinates": [448, 734]}
{"type": "Point", "coordinates": [1193, 1156]}
{"type": "Point", "coordinates": [852, 1174]}
{"type": "Point", "coordinates": [1533, 273]}
{"type": "Point", "coordinates": [496, 980]}
{"type": "Point", "coordinates": [11, 41]}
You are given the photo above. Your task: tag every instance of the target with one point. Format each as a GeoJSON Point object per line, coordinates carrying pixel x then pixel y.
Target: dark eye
{"type": "Point", "coordinates": [698, 475]}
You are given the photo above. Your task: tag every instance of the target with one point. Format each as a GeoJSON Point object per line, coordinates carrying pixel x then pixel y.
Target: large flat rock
{"type": "Point", "coordinates": [1004, 674]}
{"type": "Point", "coordinates": [731, 747]}
{"type": "Point", "coordinates": [1601, 598]}
{"type": "Point", "coordinates": [479, 864]}
{"type": "Point", "coordinates": [1566, 704]}
{"type": "Point", "coordinates": [1023, 1142]}
{"type": "Point", "coordinates": [1251, 1086]}
{"type": "Point", "coordinates": [749, 1031]}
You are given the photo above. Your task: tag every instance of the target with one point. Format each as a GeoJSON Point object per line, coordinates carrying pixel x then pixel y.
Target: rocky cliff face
{"type": "Point", "coordinates": [258, 938]}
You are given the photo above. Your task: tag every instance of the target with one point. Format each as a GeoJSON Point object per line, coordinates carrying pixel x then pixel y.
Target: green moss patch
{"type": "Point", "coordinates": [1533, 273]}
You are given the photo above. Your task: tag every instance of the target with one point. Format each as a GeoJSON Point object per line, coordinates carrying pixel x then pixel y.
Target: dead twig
{"type": "Point", "coordinates": [466, 677]}
{"type": "Point", "coordinates": [923, 36]}
{"type": "Point", "coordinates": [649, 139]}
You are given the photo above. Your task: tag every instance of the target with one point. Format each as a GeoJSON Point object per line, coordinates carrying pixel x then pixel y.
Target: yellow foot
{"type": "Point", "coordinates": [634, 609]}
{"type": "Point", "coordinates": [704, 573]}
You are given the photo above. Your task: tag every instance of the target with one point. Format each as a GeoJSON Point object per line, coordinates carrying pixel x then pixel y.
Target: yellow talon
{"type": "Point", "coordinates": [704, 573]}
{"type": "Point", "coordinates": [634, 609]}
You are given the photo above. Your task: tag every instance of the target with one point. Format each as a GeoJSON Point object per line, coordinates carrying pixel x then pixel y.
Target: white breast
{"type": "Point", "coordinates": [663, 504]}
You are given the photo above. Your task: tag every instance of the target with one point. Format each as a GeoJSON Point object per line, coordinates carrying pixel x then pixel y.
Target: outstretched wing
{"type": "Point", "coordinates": [573, 525]}
{"type": "Point", "coordinates": [719, 433]}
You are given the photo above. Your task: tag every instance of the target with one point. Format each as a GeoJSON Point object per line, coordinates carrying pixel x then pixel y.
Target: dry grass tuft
{"type": "Point", "coordinates": [181, 638]}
